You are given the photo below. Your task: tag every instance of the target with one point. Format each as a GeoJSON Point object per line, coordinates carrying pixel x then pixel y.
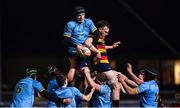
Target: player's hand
{"type": "Point", "coordinates": [116, 44]}
{"type": "Point", "coordinates": [121, 77]}
{"type": "Point", "coordinates": [79, 49]}
{"type": "Point", "coordinates": [67, 101]}
{"type": "Point", "coordinates": [96, 59]}
{"type": "Point", "coordinates": [129, 68]}
{"type": "Point", "coordinates": [98, 55]}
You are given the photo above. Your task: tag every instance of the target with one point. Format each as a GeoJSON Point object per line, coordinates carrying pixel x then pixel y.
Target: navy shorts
{"type": "Point", "coordinates": [102, 67]}
{"type": "Point", "coordinates": [81, 62]}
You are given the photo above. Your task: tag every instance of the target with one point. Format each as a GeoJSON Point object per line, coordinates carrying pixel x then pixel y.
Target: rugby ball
{"type": "Point", "coordinates": [85, 52]}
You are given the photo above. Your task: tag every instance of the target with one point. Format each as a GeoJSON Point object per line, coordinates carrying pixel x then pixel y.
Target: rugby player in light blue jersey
{"type": "Point", "coordinates": [76, 32]}
{"type": "Point", "coordinates": [148, 90]}
{"type": "Point", "coordinates": [70, 92]}
{"type": "Point", "coordinates": [27, 88]}
{"type": "Point", "coordinates": [139, 80]}
{"type": "Point", "coordinates": [52, 84]}
{"type": "Point", "coordinates": [102, 94]}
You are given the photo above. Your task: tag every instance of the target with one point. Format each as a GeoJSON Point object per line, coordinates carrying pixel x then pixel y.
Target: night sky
{"type": "Point", "coordinates": [35, 27]}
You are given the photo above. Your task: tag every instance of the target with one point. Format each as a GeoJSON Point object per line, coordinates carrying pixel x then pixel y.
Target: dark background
{"type": "Point", "coordinates": [33, 29]}
{"type": "Point", "coordinates": [36, 26]}
{"type": "Point", "coordinates": [32, 33]}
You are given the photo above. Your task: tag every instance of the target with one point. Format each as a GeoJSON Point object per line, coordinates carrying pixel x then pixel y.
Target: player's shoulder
{"type": "Point", "coordinates": [73, 21]}
{"type": "Point", "coordinates": [105, 86]}
{"type": "Point", "coordinates": [71, 24]}
{"type": "Point", "coordinates": [88, 20]}
{"type": "Point", "coordinates": [26, 79]}
{"type": "Point", "coordinates": [65, 88]}
{"type": "Point", "coordinates": [74, 88]}
{"type": "Point", "coordinates": [36, 82]}
{"type": "Point", "coordinates": [68, 90]}
{"type": "Point", "coordinates": [144, 84]}
{"type": "Point", "coordinates": [150, 82]}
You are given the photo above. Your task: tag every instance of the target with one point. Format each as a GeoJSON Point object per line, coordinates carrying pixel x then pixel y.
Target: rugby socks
{"type": "Point", "coordinates": [115, 103]}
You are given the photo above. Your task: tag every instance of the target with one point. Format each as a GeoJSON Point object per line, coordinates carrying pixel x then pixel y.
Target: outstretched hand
{"type": "Point", "coordinates": [116, 44]}
{"type": "Point", "coordinates": [129, 67]}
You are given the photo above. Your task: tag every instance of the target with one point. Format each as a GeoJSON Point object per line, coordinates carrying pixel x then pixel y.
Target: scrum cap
{"type": "Point", "coordinates": [78, 9]}
{"type": "Point", "coordinates": [53, 71]}
{"type": "Point", "coordinates": [31, 72]}
{"type": "Point", "coordinates": [149, 72]}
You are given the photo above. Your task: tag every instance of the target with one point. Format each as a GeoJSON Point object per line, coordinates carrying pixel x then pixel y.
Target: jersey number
{"type": "Point", "coordinates": [18, 89]}
{"type": "Point", "coordinates": [157, 97]}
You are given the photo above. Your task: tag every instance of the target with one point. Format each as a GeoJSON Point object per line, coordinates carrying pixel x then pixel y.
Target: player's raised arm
{"type": "Point", "coordinates": [132, 75]}
{"type": "Point", "coordinates": [130, 90]}
{"type": "Point", "coordinates": [91, 81]}
{"type": "Point", "coordinates": [88, 97]}
{"type": "Point", "coordinates": [114, 45]}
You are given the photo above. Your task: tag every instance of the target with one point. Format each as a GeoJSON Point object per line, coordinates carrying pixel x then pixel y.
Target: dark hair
{"type": "Point", "coordinates": [61, 79]}
{"type": "Point", "coordinates": [31, 72]}
{"type": "Point", "coordinates": [150, 74]}
{"type": "Point", "coordinates": [78, 9]}
{"type": "Point", "coordinates": [53, 71]}
{"type": "Point", "coordinates": [102, 23]}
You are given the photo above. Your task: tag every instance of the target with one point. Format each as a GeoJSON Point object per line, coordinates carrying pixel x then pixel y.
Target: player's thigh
{"type": "Point", "coordinates": [111, 74]}
{"type": "Point", "coordinates": [73, 60]}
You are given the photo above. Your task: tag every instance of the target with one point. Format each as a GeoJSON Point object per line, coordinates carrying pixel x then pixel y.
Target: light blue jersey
{"type": "Point", "coordinates": [102, 98]}
{"type": "Point", "coordinates": [148, 92]}
{"type": "Point", "coordinates": [69, 92]}
{"type": "Point", "coordinates": [78, 32]}
{"type": "Point", "coordinates": [51, 87]}
{"type": "Point", "coordinates": [25, 92]}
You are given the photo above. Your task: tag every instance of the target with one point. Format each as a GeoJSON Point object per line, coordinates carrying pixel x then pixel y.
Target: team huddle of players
{"type": "Point", "coordinates": [101, 84]}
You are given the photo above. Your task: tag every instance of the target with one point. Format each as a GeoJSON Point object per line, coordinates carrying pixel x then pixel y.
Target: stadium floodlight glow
{"type": "Point", "coordinates": [177, 72]}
